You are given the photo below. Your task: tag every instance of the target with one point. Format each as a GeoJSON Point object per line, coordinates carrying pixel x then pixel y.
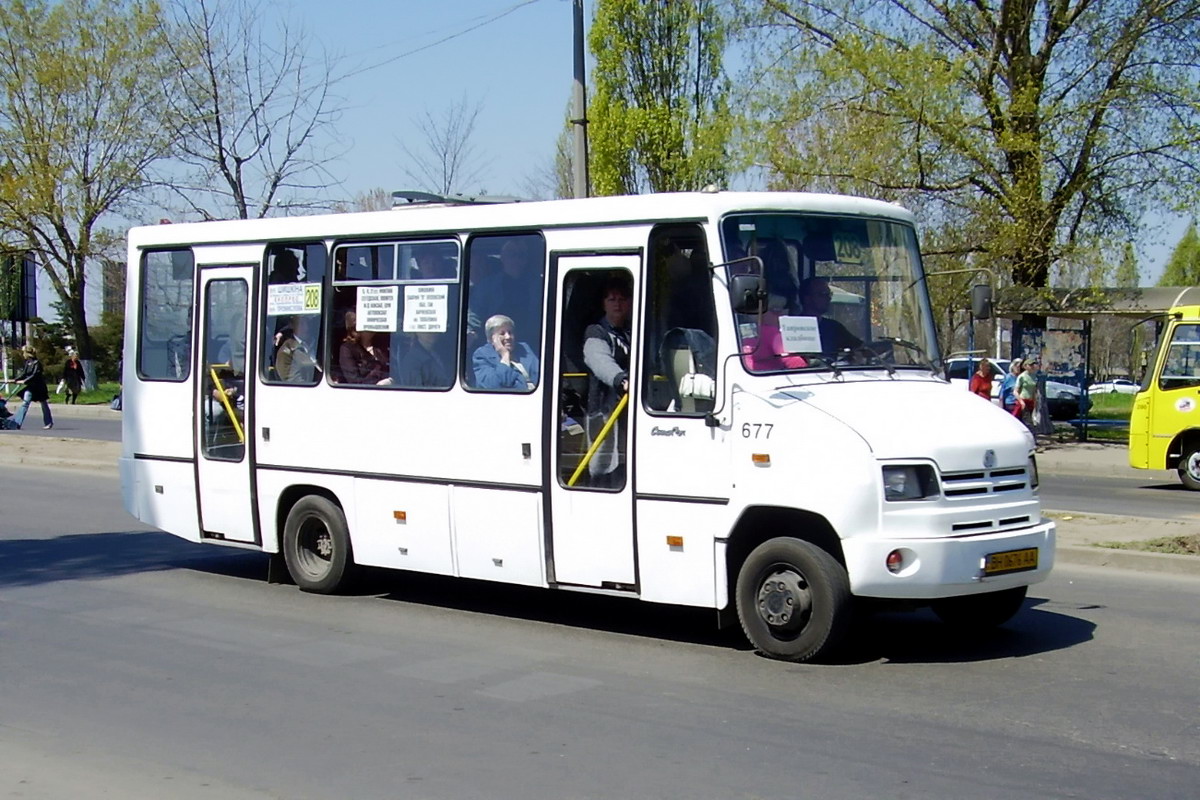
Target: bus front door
{"type": "Point", "coordinates": [591, 534]}
{"type": "Point", "coordinates": [225, 378]}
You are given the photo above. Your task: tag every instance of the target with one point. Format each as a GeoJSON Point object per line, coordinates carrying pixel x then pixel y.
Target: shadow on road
{"type": "Point", "coordinates": [908, 637]}
{"type": "Point", "coordinates": [919, 637]}
{"type": "Point", "coordinates": [87, 556]}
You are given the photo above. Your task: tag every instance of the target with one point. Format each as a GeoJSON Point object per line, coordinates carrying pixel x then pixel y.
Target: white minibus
{"type": "Point", "coordinates": [715, 399]}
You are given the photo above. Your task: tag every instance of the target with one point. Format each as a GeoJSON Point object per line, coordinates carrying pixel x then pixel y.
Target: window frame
{"type": "Point", "coordinates": [191, 314]}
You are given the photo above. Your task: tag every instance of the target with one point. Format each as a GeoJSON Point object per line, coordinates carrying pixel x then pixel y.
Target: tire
{"type": "Point", "coordinates": [316, 545]}
{"type": "Point", "coordinates": [1189, 467]}
{"type": "Point", "coordinates": [793, 600]}
{"type": "Point", "coordinates": [981, 611]}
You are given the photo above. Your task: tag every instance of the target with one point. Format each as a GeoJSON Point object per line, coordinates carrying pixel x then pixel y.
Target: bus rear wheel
{"type": "Point", "coordinates": [1189, 467]}
{"type": "Point", "coordinates": [316, 545]}
{"type": "Point", "coordinates": [793, 600]}
{"type": "Point", "coordinates": [980, 611]}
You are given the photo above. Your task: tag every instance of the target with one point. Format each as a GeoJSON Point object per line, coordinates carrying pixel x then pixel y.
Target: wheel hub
{"type": "Point", "coordinates": [1192, 465]}
{"type": "Point", "coordinates": [784, 600]}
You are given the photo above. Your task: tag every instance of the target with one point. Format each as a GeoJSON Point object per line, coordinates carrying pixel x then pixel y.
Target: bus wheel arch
{"type": "Point", "coordinates": [315, 540]}
{"type": "Point", "coordinates": [791, 591]}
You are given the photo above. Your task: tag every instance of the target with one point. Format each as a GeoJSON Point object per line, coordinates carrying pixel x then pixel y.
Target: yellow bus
{"type": "Point", "coordinates": [1164, 427]}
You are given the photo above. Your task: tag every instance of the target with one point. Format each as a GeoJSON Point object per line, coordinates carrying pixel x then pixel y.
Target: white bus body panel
{"type": "Point", "coordinates": [685, 574]}
{"type": "Point", "coordinates": [497, 535]}
{"type": "Point", "coordinates": [162, 494]}
{"type": "Point", "coordinates": [402, 525]}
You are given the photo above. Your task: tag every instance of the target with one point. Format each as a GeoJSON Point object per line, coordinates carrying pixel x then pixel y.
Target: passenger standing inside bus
{"type": "Point", "coordinates": [815, 299]}
{"type": "Point", "coordinates": [515, 290]}
{"type": "Point", "coordinates": [359, 358]}
{"type": "Point", "coordinates": [33, 380]}
{"type": "Point", "coordinates": [606, 354]}
{"type": "Point", "coordinates": [422, 367]}
{"type": "Point", "coordinates": [503, 362]}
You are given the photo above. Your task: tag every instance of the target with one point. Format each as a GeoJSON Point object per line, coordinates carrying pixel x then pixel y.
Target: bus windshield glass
{"type": "Point", "coordinates": [842, 293]}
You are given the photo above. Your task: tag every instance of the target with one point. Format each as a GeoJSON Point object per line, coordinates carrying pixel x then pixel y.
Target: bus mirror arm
{"type": "Point", "coordinates": [712, 418]}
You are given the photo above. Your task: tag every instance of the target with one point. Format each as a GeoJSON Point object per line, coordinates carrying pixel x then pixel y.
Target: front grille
{"type": "Point", "coordinates": [975, 484]}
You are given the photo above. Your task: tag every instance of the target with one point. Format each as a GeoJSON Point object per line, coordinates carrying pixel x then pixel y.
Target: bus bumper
{"type": "Point", "coordinates": [950, 567]}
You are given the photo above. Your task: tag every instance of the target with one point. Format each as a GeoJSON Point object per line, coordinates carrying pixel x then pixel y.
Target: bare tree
{"type": "Point", "coordinates": [252, 117]}
{"type": "Point", "coordinates": [377, 199]}
{"type": "Point", "coordinates": [444, 159]}
{"type": "Point", "coordinates": [555, 179]}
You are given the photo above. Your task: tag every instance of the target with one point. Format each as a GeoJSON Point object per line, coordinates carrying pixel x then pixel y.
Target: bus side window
{"type": "Point", "coordinates": [681, 324]}
{"type": "Point", "coordinates": [291, 334]}
{"type": "Point", "coordinates": [165, 336]}
{"type": "Point", "coordinates": [506, 276]}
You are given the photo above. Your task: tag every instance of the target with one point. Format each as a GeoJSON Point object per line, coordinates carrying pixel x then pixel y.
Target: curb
{"type": "Point", "coordinates": [1162, 563]}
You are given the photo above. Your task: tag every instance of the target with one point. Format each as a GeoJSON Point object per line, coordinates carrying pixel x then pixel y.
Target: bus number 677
{"type": "Point", "coordinates": [757, 430]}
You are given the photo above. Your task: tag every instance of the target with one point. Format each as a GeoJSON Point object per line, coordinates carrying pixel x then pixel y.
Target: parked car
{"type": "Point", "coordinates": [1120, 385]}
{"type": "Point", "coordinates": [1062, 400]}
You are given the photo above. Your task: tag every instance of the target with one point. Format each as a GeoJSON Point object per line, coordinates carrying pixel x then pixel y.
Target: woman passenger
{"type": "Point", "coordinates": [360, 359]}
{"type": "Point", "coordinates": [503, 362]}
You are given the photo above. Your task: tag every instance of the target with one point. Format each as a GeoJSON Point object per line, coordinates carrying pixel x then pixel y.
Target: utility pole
{"type": "Point", "coordinates": [579, 168]}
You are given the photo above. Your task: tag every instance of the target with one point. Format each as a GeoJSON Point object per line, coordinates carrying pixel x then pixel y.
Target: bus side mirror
{"type": "Point", "coordinates": [981, 301]}
{"type": "Point", "coordinates": [747, 293]}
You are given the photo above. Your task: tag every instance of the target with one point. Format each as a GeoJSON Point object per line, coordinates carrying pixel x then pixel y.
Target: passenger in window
{"type": "Point", "coordinates": [294, 362]}
{"type": "Point", "coordinates": [515, 290]}
{"type": "Point", "coordinates": [606, 354]}
{"type": "Point", "coordinates": [360, 359]}
{"type": "Point", "coordinates": [765, 352]}
{"type": "Point", "coordinates": [815, 299]}
{"type": "Point", "coordinates": [503, 362]}
{"type": "Point", "coordinates": [286, 268]}
{"type": "Point", "coordinates": [422, 367]}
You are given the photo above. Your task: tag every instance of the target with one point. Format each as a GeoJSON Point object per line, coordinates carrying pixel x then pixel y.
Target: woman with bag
{"type": "Point", "coordinates": [72, 376]}
{"type": "Point", "coordinates": [34, 380]}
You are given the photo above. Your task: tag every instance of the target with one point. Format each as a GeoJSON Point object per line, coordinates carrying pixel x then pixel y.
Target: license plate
{"type": "Point", "coordinates": [1010, 561]}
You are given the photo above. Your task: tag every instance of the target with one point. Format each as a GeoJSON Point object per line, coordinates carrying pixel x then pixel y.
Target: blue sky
{"type": "Point", "coordinates": [517, 65]}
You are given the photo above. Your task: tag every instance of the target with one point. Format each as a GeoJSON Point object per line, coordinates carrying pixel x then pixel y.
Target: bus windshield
{"type": "Point", "coordinates": [843, 293]}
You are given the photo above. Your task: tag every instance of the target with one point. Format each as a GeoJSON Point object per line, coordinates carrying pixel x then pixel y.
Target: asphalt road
{"type": "Point", "coordinates": [1136, 496]}
{"type": "Point", "coordinates": [106, 428]}
{"type": "Point", "coordinates": [137, 665]}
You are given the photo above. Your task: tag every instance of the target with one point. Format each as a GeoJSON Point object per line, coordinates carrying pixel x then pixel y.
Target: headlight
{"type": "Point", "coordinates": [909, 482]}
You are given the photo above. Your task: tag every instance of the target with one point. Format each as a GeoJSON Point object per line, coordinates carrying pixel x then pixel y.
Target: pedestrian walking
{"type": "Point", "coordinates": [72, 376]}
{"type": "Point", "coordinates": [33, 381]}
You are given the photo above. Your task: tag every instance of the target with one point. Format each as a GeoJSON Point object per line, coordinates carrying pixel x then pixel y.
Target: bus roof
{"type": "Point", "coordinates": [418, 218]}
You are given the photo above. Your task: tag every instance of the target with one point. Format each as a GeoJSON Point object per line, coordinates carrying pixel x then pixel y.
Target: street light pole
{"type": "Point", "coordinates": [579, 170]}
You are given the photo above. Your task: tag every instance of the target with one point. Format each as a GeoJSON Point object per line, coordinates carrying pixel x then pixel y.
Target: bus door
{"type": "Point", "coordinates": [224, 380]}
{"type": "Point", "coordinates": [590, 520]}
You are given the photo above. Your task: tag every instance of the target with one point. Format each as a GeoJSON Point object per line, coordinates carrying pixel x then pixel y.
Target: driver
{"type": "Point", "coordinates": [815, 297]}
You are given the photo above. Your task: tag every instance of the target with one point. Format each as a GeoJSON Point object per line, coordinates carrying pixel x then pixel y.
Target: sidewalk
{"type": "Point", "coordinates": [1077, 533]}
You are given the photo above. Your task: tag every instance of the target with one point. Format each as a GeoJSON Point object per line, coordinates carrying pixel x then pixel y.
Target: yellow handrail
{"type": "Point", "coordinates": [596, 444]}
{"type": "Point", "coordinates": [237, 426]}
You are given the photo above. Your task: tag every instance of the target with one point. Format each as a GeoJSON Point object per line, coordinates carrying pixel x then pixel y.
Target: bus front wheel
{"type": "Point", "coordinates": [793, 600]}
{"type": "Point", "coordinates": [1189, 467]}
{"type": "Point", "coordinates": [316, 545]}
